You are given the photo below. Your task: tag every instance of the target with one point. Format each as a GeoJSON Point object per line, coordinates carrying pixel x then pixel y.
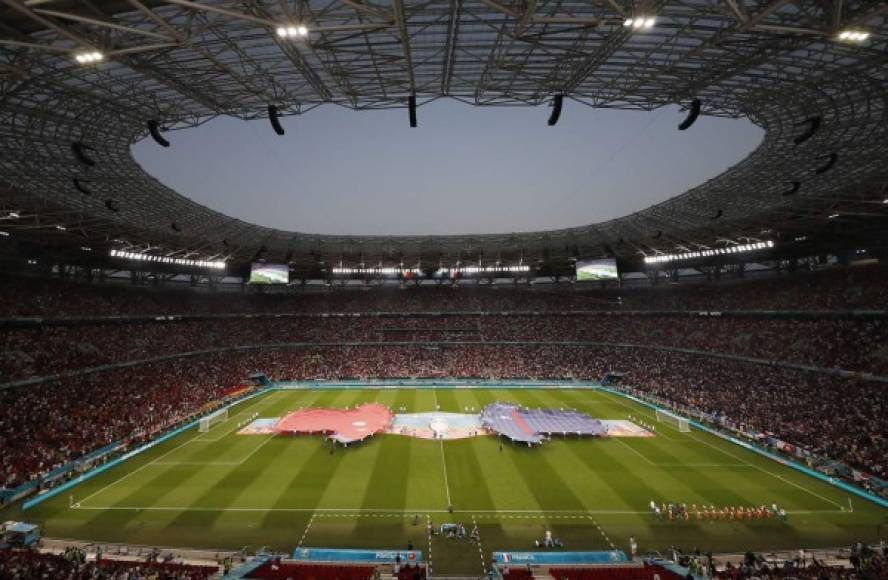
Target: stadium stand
{"type": "Point", "coordinates": [126, 405]}
{"type": "Point", "coordinates": [643, 572]}
{"type": "Point", "coordinates": [72, 565]}
{"type": "Point", "coordinates": [283, 570]}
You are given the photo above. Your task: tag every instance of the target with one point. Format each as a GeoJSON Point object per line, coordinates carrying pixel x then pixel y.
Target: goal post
{"type": "Point", "coordinates": [680, 423]}
{"type": "Point", "coordinates": [212, 419]}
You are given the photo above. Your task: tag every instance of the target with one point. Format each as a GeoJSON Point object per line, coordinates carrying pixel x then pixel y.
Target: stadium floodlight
{"type": "Point", "coordinates": [214, 265]}
{"type": "Point", "coordinates": [4, 234]}
{"type": "Point", "coordinates": [61, 228]}
{"type": "Point", "coordinates": [639, 22]}
{"type": "Point", "coordinates": [377, 270]}
{"type": "Point", "coordinates": [883, 201]}
{"type": "Point", "coordinates": [289, 31]}
{"type": "Point", "coordinates": [833, 216]}
{"type": "Point", "coordinates": [742, 248]}
{"type": "Point", "coordinates": [89, 57]}
{"type": "Point", "coordinates": [16, 215]}
{"type": "Point", "coordinates": [853, 35]}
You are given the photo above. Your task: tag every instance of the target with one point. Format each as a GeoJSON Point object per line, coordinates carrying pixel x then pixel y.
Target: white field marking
{"type": "Point", "coordinates": [772, 474]}
{"type": "Point", "coordinates": [781, 478]}
{"type": "Point", "coordinates": [638, 409]}
{"type": "Point", "coordinates": [305, 533]}
{"type": "Point", "coordinates": [681, 465]}
{"type": "Point", "coordinates": [243, 411]}
{"type": "Point", "coordinates": [603, 534]}
{"type": "Point", "coordinates": [480, 548]}
{"type": "Point", "coordinates": [634, 450]}
{"type": "Point", "coordinates": [444, 465]}
{"type": "Point", "coordinates": [269, 437]}
{"type": "Point", "coordinates": [150, 463]}
{"type": "Point", "coordinates": [429, 534]}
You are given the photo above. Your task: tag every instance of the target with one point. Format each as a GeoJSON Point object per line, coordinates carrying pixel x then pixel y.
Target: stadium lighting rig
{"type": "Point", "coordinates": [291, 31]}
{"type": "Point", "coordinates": [640, 22]}
{"type": "Point", "coordinates": [383, 271]}
{"type": "Point", "coordinates": [89, 57]}
{"type": "Point", "coordinates": [739, 249]}
{"type": "Point", "coordinates": [491, 269]}
{"type": "Point", "coordinates": [215, 265]}
{"type": "Point", "coordinates": [853, 35]}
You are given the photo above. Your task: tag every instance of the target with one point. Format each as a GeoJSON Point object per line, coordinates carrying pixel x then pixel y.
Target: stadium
{"type": "Point", "coordinates": [201, 380]}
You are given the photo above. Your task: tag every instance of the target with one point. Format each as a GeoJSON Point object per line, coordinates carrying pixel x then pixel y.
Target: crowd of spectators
{"type": "Point", "coordinates": [830, 289]}
{"type": "Point", "coordinates": [73, 565]}
{"type": "Point", "coordinates": [850, 344]}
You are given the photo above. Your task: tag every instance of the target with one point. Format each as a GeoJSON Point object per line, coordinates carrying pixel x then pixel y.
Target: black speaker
{"type": "Point", "coordinates": [275, 120]}
{"type": "Point", "coordinates": [154, 129]}
{"type": "Point", "coordinates": [794, 188]}
{"type": "Point", "coordinates": [717, 215]}
{"type": "Point", "coordinates": [411, 109]}
{"type": "Point", "coordinates": [79, 149]}
{"type": "Point", "coordinates": [175, 227]}
{"type": "Point", "coordinates": [693, 113]}
{"type": "Point", "coordinates": [830, 161]}
{"type": "Point", "coordinates": [813, 124]}
{"type": "Point", "coordinates": [81, 186]}
{"type": "Point", "coordinates": [557, 102]}
{"type": "Point", "coordinates": [112, 205]}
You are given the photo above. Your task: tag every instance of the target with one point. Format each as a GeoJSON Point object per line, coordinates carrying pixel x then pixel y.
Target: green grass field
{"type": "Point", "coordinates": [221, 490]}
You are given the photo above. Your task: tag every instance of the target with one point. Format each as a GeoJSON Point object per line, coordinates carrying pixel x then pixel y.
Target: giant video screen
{"type": "Point", "coordinates": [261, 273]}
{"type": "Point", "coordinates": [592, 270]}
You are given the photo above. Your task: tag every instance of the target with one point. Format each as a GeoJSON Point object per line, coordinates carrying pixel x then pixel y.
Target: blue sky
{"type": "Point", "coordinates": [463, 170]}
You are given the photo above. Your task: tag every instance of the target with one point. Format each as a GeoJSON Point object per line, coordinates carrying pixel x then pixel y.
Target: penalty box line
{"type": "Point", "coordinates": [154, 462]}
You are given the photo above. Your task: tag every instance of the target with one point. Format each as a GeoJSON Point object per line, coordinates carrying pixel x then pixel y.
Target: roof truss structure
{"type": "Point", "coordinates": [182, 62]}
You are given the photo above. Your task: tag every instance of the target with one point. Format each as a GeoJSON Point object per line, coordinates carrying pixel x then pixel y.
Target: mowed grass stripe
{"type": "Point", "coordinates": [387, 461]}
{"type": "Point", "coordinates": [301, 479]}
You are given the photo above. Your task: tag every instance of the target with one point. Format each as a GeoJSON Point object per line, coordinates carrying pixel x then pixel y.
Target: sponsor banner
{"type": "Point", "coordinates": [372, 556]}
{"type": "Point", "coordinates": [611, 557]}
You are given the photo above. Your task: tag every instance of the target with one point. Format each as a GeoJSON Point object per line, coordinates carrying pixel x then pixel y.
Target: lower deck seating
{"type": "Point", "coordinates": [645, 572]}
{"type": "Point", "coordinates": [281, 570]}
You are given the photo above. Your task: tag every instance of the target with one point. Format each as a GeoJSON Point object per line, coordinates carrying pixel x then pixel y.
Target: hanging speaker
{"type": "Point", "coordinates": [79, 149]}
{"type": "Point", "coordinates": [717, 215]}
{"type": "Point", "coordinates": [693, 113]}
{"type": "Point", "coordinates": [275, 120]}
{"type": "Point", "coordinates": [175, 227]}
{"type": "Point", "coordinates": [154, 129]}
{"type": "Point", "coordinates": [112, 205]}
{"type": "Point", "coordinates": [411, 109]}
{"type": "Point", "coordinates": [793, 189]}
{"type": "Point", "coordinates": [81, 186]}
{"type": "Point", "coordinates": [830, 161]}
{"type": "Point", "coordinates": [557, 102]}
{"type": "Point", "coordinates": [813, 124]}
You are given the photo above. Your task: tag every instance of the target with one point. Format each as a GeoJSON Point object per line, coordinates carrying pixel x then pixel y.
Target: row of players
{"type": "Point", "coordinates": [681, 511]}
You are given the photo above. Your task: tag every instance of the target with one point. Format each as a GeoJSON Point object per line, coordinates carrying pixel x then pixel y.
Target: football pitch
{"type": "Point", "coordinates": [223, 490]}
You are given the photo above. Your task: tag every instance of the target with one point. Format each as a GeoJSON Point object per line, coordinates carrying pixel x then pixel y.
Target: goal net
{"type": "Point", "coordinates": [679, 423]}
{"type": "Point", "coordinates": [213, 418]}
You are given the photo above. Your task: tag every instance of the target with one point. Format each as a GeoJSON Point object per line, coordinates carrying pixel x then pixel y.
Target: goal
{"type": "Point", "coordinates": [679, 423]}
{"type": "Point", "coordinates": [218, 417]}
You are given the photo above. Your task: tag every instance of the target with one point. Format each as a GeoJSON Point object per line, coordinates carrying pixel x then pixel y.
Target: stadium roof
{"type": "Point", "coordinates": [812, 73]}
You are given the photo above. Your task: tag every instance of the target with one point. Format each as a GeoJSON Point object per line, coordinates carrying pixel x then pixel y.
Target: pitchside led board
{"type": "Point", "coordinates": [261, 273]}
{"type": "Point", "coordinates": [592, 270]}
